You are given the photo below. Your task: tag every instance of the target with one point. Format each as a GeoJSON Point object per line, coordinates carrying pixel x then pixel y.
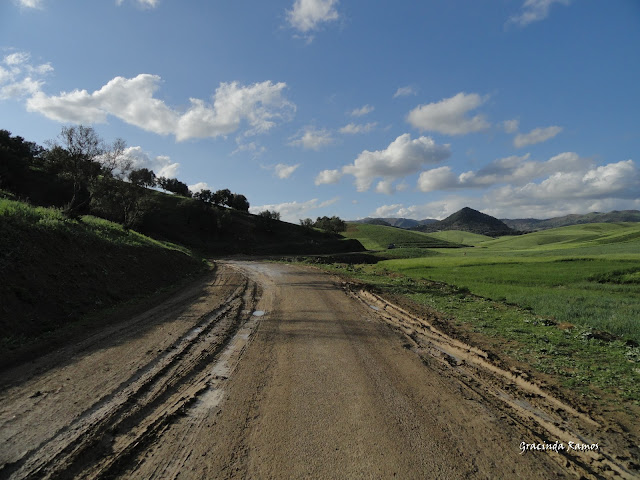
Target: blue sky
{"type": "Point", "coordinates": [351, 108]}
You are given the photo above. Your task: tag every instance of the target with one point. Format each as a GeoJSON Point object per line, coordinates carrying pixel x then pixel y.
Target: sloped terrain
{"type": "Point", "coordinates": [378, 237]}
{"type": "Point", "coordinates": [56, 271]}
{"type": "Point", "coordinates": [469, 220]}
{"type": "Point", "coordinates": [615, 216]}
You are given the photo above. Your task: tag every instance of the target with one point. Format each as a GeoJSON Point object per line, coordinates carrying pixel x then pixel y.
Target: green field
{"type": "Point", "coordinates": [459, 236]}
{"type": "Point", "coordinates": [379, 237]}
{"type": "Point", "coordinates": [583, 275]}
{"type": "Point", "coordinates": [550, 299]}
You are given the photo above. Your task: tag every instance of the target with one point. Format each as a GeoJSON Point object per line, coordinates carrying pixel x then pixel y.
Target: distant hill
{"type": "Point", "coordinates": [531, 224]}
{"type": "Point", "coordinates": [379, 237]}
{"type": "Point", "coordinates": [469, 220]}
{"type": "Point", "coordinates": [407, 223]}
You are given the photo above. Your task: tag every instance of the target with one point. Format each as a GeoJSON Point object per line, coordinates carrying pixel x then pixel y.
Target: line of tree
{"type": "Point", "coordinates": [328, 224]}
{"type": "Point", "coordinates": [81, 173]}
{"type": "Point", "coordinates": [223, 198]}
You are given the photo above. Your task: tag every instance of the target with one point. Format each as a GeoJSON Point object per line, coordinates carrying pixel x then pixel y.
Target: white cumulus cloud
{"type": "Point", "coordinates": [328, 176]}
{"type": "Point", "coordinates": [352, 128]}
{"type": "Point", "coordinates": [19, 78]}
{"type": "Point", "coordinates": [449, 116]}
{"type": "Point", "coordinates": [405, 92]}
{"type": "Point", "coordinates": [534, 11]}
{"type": "Point", "coordinates": [132, 100]}
{"type": "Point", "coordinates": [537, 135]}
{"type": "Point", "coordinates": [402, 157]}
{"type": "Point", "coordinates": [510, 170]}
{"type": "Point", "coordinates": [311, 138]}
{"type": "Point", "coordinates": [586, 188]}
{"type": "Point", "coordinates": [284, 171]}
{"type": "Point", "coordinates": [307, 15]}
{"type": "Point", "coordinates": [198, 187]}
{"type": "Point", "coordinates": [161, 165]}
{"type": "Point", "coordinates": [364, 110]}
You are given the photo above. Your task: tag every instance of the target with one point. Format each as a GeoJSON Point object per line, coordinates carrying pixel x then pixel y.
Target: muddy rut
{"type": "Point", "coordinates": [278, 371]}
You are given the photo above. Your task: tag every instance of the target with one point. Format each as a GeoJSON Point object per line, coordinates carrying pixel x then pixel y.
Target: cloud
{"type": "Point", "coordinates": [328, 176]}
{"type": "Point", "coordinates": [512, 170]}
{"type": "Point", "coordinates": [614, 180]}
{"type": "Point", "coordinates": [198, 187]}
{"type": "Point", "coordinates": [17, 58]}
{"type": "Point", "coordinates": [353, 129]}
{"type": "Point", "coordinates": [311, 138]}
{"type": "Point", "coordinates": [405, 92]}
{"type": "Point", "coordinates": [386, 187]}
{"type": "Point", "coordinates": [448, 116]}
{"type": "Point", "coordinates": [537, 135]}
{"type": "Point", "coordinates": [294, 211]}
{"type": "Point", "coordinates": [142, 3]}
{"type": "Point", "coordinates": [284, 171]}
{"type": "Point", "coordinates": [534, 11]}
{"type": "Point", "coordinates": [259, 106]}
{"type": "Point", "coordinates": [30, 3]}
{"type": "Point", "coordinates": [253, 148]}
{"type": "Point", "coordinates": [511, 126]}
{"type": "Point", "coordinates": [307, 15]}
{"type": "Point", "coordinates": [402, 157]}
{"type": "Point", "coordinates": [161, 165]}
{"type": "Point", "coordinates": [364, 110]}
{"type": "Point", "coordinates": [19, 78]}
{"type": "Point", "coordinates": [578, 188]}
{"type": "Point", "coordinates": [437, 209]}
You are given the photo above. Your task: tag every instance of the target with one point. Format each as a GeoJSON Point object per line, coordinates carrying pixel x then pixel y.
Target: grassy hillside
{"type": "Point", "coordinates": [459, 236]}
{"type": "Point", "coordinates": [615, 216]}
{"type": "Point", "coordinates": [55, 271]}
{"type": "Point", "coordinates": [379, 237]}
{"type": "Point", "coordinates": [583, 275]}
{"type": "Point", "coordinates": [217, 231]}
{"type": "Point", "coordinates": [575, 236]}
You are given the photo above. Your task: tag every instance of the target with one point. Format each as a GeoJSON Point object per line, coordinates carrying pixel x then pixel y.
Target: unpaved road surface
{"type": "Point", "coordinates": [279, 371]}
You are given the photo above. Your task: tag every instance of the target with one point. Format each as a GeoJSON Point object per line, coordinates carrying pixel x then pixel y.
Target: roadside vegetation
{"type": "Point", "coordinates": [57, 270]}
{"type": "Point", "coordinates": [565, 301]}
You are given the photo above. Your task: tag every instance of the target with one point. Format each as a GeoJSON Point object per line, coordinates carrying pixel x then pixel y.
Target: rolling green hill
{"type": "Point", "coordinates": [583, 274]}
{"type": "Point", "coordinates": [462, 237]}
{"type": "Point", "coordinates": [590, 235]}
{"type": "Point", "coordinates": [379, 237]}
{"type": "Point", "coordinates": [616, 216]}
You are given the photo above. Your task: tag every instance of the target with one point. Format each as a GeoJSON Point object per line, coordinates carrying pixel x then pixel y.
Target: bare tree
{"type": "Point", "coordinates": [76, 152]}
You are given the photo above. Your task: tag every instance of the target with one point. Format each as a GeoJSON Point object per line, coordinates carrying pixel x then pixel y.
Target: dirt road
{"type": "Point", "coordinates": [279, 371]}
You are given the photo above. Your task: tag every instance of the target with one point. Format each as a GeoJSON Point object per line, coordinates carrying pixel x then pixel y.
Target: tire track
{"type": "Point", "coordinates": [140, 405]}
{"type": "Point", "coordinates": [544, 417]}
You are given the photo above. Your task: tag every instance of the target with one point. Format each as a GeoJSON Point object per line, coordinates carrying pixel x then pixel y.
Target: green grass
{"type": "Point", "coordinates": [584, 275]}
{"type": "Point", "coordinates": [56, 271]}
{"type": "Point", "coordinates": [379, 237]}
{"type": "Point", "coordinates": [459, 236]}
{"type": "Point", "coordinates": [589, 367]}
